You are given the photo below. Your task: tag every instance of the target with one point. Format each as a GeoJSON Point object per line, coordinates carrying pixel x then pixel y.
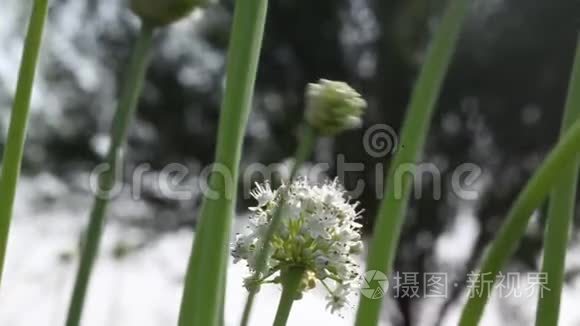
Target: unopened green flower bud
{"type": "Point", "coordinates": [163, 12]}
{"type": "Point", "coordinates": [333, 107]}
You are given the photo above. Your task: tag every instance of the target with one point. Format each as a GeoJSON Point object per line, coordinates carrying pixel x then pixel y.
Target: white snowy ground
{"type": "Point", "coordinates": [144, 288]}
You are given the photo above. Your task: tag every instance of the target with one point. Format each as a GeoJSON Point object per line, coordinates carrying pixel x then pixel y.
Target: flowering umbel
{"type": "Point", "coordinates": [163, 12]}
{"type": "Point", "coordinates": [319, 232]}
{"type": "Point", "coordinates": [333, 107]}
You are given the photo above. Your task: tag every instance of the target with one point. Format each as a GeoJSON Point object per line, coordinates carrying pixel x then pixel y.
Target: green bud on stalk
{"type": "Point", "coordinates": [333, 107]}
{"type": "Point", "coordinates": [164, 12]}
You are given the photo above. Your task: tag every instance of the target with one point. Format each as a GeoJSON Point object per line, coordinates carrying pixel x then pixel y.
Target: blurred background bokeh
{"type": "Point", "coordinates": [500, 109]}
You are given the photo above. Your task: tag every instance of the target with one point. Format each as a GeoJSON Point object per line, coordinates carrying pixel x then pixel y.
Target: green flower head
{"type": "Point", "coordinates": [164, 12]}
{"type": "Point", "coordinates": [333, 107]}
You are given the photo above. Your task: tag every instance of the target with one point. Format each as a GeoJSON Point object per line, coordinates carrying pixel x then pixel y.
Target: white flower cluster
{"type": "Point", "coordinates": [318, 231]}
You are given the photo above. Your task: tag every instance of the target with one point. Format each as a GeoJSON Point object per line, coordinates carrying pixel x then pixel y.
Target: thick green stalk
{"type": "Point", "coordinates": [128, 102]}
{"type": "Point", "coordinates": [514, 228]}
{"type": "Point", "coordinates": [12, 157]}
{"type": "Point", "coordinates": [303, 151]}
{"type": "Point", "coordinates": [291, 280]}
{"type": "Point", "coordinates": [205, 280]}
{"type": "Point", "coordinates": [560, 214]}
{"type": "Point", "coordinates": [394, 207]}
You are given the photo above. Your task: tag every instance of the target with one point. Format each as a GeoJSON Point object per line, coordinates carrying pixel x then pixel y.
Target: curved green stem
{"type": "Point", "coordinates": [393, 208]}
{"type": "Point", "coordinates": [291, 280]}
{"type": "Point", "coordinates": [303, 151]}
{"type": "Point", "coordinates": [515, 225]}
{"type": "Point", "coordinates": [206, 272]}
{"type": "Point", "coordinates": [12, 157]}
{"type": "Point", "coordinates": [128, 102]}
{"type": "Point", "coordinates": [560, 214]}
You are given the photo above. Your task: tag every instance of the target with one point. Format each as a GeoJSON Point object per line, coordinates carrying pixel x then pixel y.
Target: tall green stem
{"type": "Point", "coordinates": [12, 157]}
{"type": "Point", "coordinates": [560, 214]}
{"type": "Point", "coordinates": [513, 229]}
{"type": "Point", "coordinates": [128, 102]}
{"type": "Point", "coordinates": [303, 151]}
{"type": "Point", "coordinates": [205, 279]}
{"type": "Point", "coordinates": [393, 208]}
{"type": "Point", "coordinates": [291, 280]}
